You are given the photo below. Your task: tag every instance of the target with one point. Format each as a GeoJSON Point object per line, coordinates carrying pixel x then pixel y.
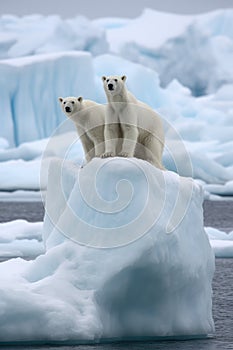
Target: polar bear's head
{"type": "Point", "coordinates": [70, 105]}
{"type": "Point", "coordinates": [114, 84]}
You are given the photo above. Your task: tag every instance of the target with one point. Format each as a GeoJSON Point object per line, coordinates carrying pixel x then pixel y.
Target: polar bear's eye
{"type": "Point", "coordinates": [72, 102]}
{"type": "Point", "coordinates": [64, 102]}
{"type": "Point", "coordinates": [115, 80]}
{"type": "Point", "coordinates": [107, 80]}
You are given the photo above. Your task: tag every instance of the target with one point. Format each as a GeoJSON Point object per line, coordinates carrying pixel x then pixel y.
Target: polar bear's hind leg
{"type": "Point", "coordinates": [153, 151]}
{"type": "Point", "coordinates": [88, 147]}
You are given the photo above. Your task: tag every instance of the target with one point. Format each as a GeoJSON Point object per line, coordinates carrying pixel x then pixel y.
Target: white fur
{"type": "Point", "coordinates": [133, 122]}
{"type": "Point", "coordinates": [89, 118]}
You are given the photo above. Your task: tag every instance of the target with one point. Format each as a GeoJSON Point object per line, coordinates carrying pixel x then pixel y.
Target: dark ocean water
{"type": "Point", "coordinates": [216, 214]}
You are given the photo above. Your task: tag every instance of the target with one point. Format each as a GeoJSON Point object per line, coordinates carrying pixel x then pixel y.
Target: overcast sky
{"type": "Point", "coordinates": [107, 8]}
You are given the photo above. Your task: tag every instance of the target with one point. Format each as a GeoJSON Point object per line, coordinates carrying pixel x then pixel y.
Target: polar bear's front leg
{"type": "Point", "coordinates": [99, 148]}
{"type": "Point", "coordinates": [88, 147]}
{"type": "Point", "coordinates": [130, 136]}
{"type": "Point", "coordinates": [111, 139]}
{"type": "Point", "coordinates": [111, 133]}
{"type": "Point", "coordinates": [99, 144]}
{"type": "Point", "coordinates": [129, 127]}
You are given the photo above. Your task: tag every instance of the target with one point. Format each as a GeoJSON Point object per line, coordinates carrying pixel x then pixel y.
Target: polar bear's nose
{"type": "Point", "coordinates": [68, 109]}
{"type": "Point", "coordinates": [110, 86]}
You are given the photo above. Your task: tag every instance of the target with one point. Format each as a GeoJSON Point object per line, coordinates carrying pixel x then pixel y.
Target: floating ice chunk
{"type": "Point", "coordinates": [224, 189]}
{"type": "Point", "coordinates": [20, 238]}
{"type": "Point", "coordinates": [21, 196]}
{"type": "Point", "coordinates": [27, 175]}
{"type": "Point", "coordinates": [221, 242]}
{"type": "Point", "coordinates": [215, 234]}
{"type": "Point", "coordinates": [222, 248]}
{"type": "Point", "coordinates": [27, 160]}
{"type": "Point", "coordinates": [25, 151]}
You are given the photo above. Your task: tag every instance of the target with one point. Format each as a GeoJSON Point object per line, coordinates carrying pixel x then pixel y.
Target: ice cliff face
{"type": "Point", "coordinates": [30, 88]}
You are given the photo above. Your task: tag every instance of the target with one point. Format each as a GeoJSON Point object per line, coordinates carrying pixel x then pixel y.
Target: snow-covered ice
{"type": "Point", "coordinates": [125, 250]}
{"type": "Point", "coordinates": [36, 34]}
{"type": "Point", "coordinates": [164, 26]}
{"type": "Point", "coordinates": [21, 196]}
{"type": "Point", "coordinates": [221, 242]}
{"type": "Point", "coordinates": [20, 238]}
{"type": "Point", "coordinates": [195, 49]}
{"type": "Point", "coordinates": [27, 176]}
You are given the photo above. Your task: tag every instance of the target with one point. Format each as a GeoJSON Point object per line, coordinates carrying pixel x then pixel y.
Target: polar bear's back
{"type": "Point", "coordinates": [147, 118]}
{"type": "Point", "coordinates": [89, 104]}
{"type": "Point", "coordinates": [93, 110]}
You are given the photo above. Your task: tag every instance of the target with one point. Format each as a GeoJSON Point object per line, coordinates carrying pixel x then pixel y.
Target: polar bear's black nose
{"type": "Point", "coordinates": [68, 109]}
{"type": "Point", "coordinates": [110, 86]}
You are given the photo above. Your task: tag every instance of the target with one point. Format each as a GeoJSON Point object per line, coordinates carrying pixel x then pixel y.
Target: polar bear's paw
{"type": "Point", "coordinates": [125, 154]}
{"type": "Point", "coordinates": [107, 154]}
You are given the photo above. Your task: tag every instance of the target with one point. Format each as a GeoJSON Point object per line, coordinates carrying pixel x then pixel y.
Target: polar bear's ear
{"type": "Point", "coordinates": [104, 78]}
{"type": "Point", "coordinates": [80, 99]}
{"type": "Point", "coordinates": [60, 99]}
{"type": "Point", "coordinates": [124, 77]}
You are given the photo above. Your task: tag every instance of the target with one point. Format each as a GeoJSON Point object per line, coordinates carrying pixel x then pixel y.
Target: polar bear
{"type": "Point", "coordinates": [89, 119]}
{"type": "Point", "coordinates": [133, 122]}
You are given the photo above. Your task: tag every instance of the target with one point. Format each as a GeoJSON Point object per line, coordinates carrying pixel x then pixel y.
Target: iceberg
{"type": "Point", "coordinates": [126, 257]}
{"type": "Point", "coordinates": [41, 78]}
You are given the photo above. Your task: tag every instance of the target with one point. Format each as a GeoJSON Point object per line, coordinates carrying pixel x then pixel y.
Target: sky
{"type": "Point", "coordinates": [108, 8]}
